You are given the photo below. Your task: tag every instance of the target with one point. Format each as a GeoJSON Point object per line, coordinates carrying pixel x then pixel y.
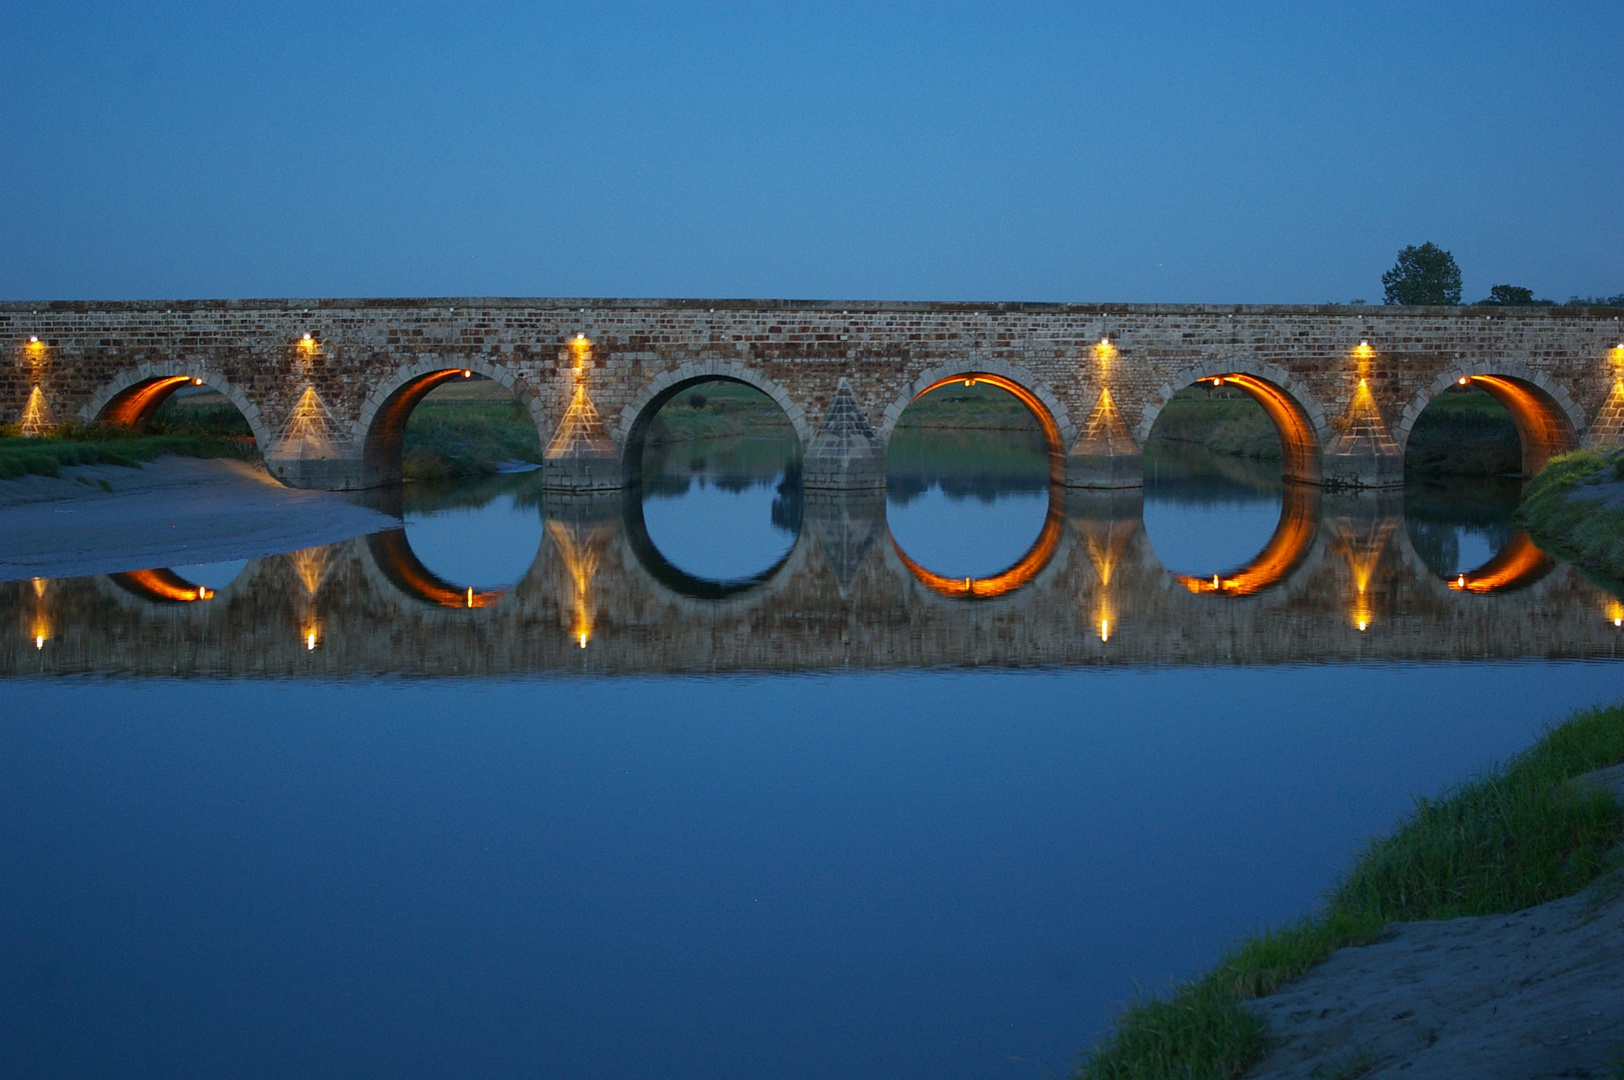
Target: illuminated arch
{"type": "Point", "coordinates": [381, 426]}
{"type": "Point", "coordinates": [1006, 581]}
{"type": "Point", "coordinates": [1292, 540]}
{"type": "Point", "coordinates": [1548, 420]}
{"type": "Point", "coordinates": [1297, 415]}
{"type": "Point", "coordinates": [636, 416]}
{"type": "Point", "coordinates": [132, 396]}
{"type": "Point", "coordinates": [399, 563]}
{"type": "Point", "coordinates": [1517, 565]}
{"type": "Point", "coordinates": [1050, 412]}
{"type": "Point", "coordinates": [678, 580]}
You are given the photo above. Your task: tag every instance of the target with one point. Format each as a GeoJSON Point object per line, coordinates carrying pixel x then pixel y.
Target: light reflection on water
{"type": "Point", "coordinates": [858, 875]}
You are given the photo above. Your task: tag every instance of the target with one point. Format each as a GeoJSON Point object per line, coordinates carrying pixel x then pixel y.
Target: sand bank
{"type": "Point", "coordinates": [1536, 994]}
{"type": "Point", "coordinates": [174, 511]}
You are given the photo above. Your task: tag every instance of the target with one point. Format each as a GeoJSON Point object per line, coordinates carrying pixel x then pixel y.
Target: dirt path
{"type": "Point", "coordinates": [174, 511]}
{"type": "Point", "coordinates": [1535, 994]}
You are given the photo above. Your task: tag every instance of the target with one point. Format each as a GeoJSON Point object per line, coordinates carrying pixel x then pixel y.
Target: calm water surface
{"type": "Point", "coordinates": [724, 790]}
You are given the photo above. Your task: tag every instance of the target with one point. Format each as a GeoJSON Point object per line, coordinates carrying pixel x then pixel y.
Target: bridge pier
{"type": "Point", "coordinates": [846, 454]}
{"type": "Point", "coordinates": [297, 468]}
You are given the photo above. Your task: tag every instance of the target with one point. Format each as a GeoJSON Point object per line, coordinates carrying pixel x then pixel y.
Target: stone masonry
{"type": "Point", "coordinates": [326, 385]}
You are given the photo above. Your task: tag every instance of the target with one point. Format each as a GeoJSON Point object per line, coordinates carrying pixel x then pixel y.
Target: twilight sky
{"type": "Point", "coordinates": [1110, 152]}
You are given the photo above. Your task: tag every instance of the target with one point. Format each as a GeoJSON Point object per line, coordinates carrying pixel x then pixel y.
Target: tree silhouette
{"type": "Point", "coordinates": [1511, 296]}
{"type": "Point", "coordinates": [1423, 275]}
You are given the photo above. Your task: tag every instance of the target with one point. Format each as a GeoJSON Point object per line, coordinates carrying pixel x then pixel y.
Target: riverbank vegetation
{"type": "Point", "coordinates": [1220, 420]}
{"type": "Point", "coordinates": [467, 428]}
{"type": "Point", "coordinates": [1522, 834]}
{"type": "Point", "coordinates": [105, 445]}
{"type": "Point", "coordinates": [1575, 508]}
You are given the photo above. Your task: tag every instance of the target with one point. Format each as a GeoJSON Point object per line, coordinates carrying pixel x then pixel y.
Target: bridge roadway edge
{"type": "Point", "coordinates": [1344, 383]}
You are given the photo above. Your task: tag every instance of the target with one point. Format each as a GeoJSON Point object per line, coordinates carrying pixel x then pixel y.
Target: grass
{"type": "Point", "coordinates": [96, 445]}
{"type": "Point", "coordinates": [1464, 431]}
{"type": "Point", "coordinates": [982, 407]}
{"type": "Point", "coordinates": [1225, 423]}
{"type": "Point", "coordinates": [1519, 835]}
{"type": "Point", "coordinates": [1561, 519]}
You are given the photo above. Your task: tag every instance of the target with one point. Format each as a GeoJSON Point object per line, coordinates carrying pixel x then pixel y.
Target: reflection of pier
{"type": "Point", "coordinates": [1338, 580]}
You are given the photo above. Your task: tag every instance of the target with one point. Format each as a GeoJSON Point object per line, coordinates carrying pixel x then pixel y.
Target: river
{"type": "Point", "coordinates": [725, 780]}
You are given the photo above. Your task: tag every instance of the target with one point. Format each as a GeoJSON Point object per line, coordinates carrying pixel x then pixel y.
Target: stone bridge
{"type": "Point", "coordinates": [327, 385]}
{"type": "Point", "coordinates": [1339, 580]}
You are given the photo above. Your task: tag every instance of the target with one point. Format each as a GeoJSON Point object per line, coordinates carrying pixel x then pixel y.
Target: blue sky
{"type": "Point", "coordinates": [1111, 152]}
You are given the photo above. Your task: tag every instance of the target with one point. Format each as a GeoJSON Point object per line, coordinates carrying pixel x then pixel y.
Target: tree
{"type": "Point", "coordinates": [1423, 275]}
{"type": "Point", "coordinates": [1512, 296]}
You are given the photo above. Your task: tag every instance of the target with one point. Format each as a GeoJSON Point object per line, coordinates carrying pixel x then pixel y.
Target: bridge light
{"type": "Point", "coordinates": [1464, 379]}
{"type": "Point", "coordinates": [1364, 343]}
{"type": "Point", "coordinates": [306, 336]}
{"type": "Point", "coordinates": [197, 382]}
{"type": "Point", "coordinates": [467, 374]}
{"type": "Point", "coordinates": [310, 641]}
{"type": "Point", "coordinates": [582, 638]}
{"type": "Point", "coordinates": [33, 339]}
{"type": "Point", "coordinates": [1218, 380]}
{"type": "Point", "coordinates": [470, 599]}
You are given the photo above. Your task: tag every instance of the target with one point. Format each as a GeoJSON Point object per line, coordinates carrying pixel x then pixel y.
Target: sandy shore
{"type": "Point", "coordinates": [175, 511]}
{"type": "Point", "coordinates": [1535, 994]}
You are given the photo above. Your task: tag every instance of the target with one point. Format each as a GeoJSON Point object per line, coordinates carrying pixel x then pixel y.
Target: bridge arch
{"type": "Point", "coordinates": [133, 395]}
{"type": "Point", "coordinates": [1297, 415]}
{"type": "Point", "coordinates": [1043, 403]}
{"type": "Point", "coordinates": [636, 416]}
{"type": "Point", "coordinates": [381, 426]}
{"type": "Point", "coordinates": [1548, 420]}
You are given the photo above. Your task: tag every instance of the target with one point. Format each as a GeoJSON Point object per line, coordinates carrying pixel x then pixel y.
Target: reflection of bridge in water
{"type": "Point", "coordinates": [1338, 580]}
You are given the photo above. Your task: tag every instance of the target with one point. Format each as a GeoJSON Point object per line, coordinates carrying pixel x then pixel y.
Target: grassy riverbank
{"type": "Point", "coordinates": [1518, 836]}
{"type": "Point", "coordinates": [1575, 508]}
{"type": "Point", "coordinates": [1220, 421]}
{"type": "Point", "coordinates": [467, 428]}
{"type": "Point", "coordinates": [108, 446]}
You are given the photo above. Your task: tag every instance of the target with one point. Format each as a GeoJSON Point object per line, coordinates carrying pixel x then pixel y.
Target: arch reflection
{"type": "Point", "coordinates": [1517, 565]}
{"type": "Point", "coordinates": [682, 582]}
{"type": "Point", "coordinates": [1014, 577]}
{"type": "Point", "coordinates": [161, 586]}
{"type": "Point", "coordinates": [392, 552]}
{"type": "Point", "coordinates": [1291, 541]}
